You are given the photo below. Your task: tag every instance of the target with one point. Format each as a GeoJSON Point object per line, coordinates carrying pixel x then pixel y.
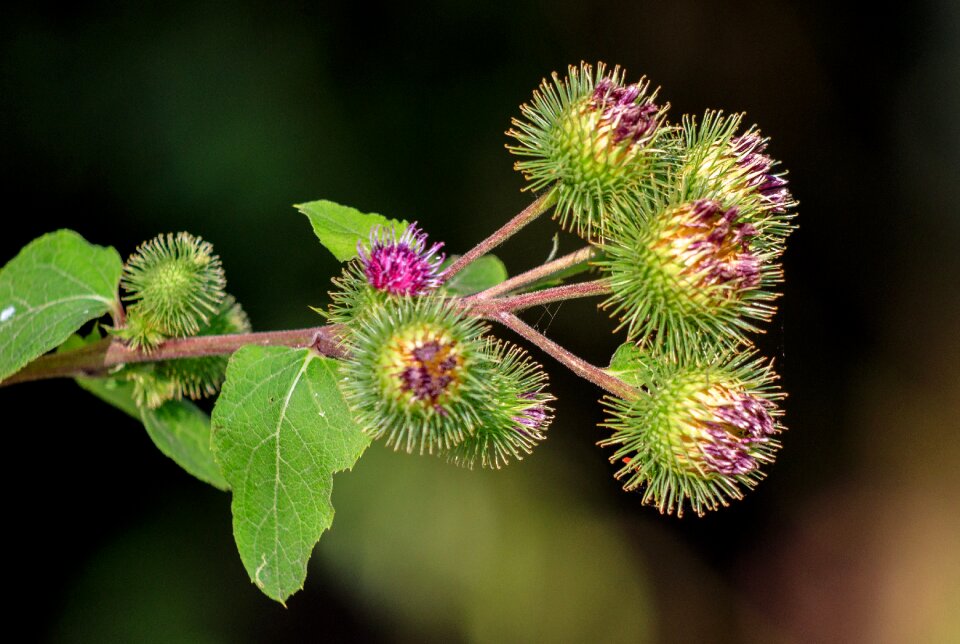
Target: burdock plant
{"type": "Point", "coordinates": [684, 221]}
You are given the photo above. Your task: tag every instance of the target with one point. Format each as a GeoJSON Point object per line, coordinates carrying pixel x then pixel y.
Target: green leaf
{"type": "Point", "coordinates": [181, 430]}
{"type": "Point", "coordinates": [115, 392]}
{"type": "Point", "coordinates": [281, 429]}
{"type": "Point", "coordinates": [178, 428]}
{"type": "Point", "coordinates": [627, 363]}
{"type": "Point", "coordinates": [49, 290]}
{"type": "Point", "coordinates": [479, 275]}
{"type": "Point", "coordinates": [339, 228]}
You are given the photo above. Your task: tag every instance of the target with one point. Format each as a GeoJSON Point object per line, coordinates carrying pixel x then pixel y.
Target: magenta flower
{"type": "Point", "coordinates": [404, 266]}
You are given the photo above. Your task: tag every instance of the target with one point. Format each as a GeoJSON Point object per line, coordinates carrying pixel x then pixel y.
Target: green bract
{"type": "Point", "coordinates": [693, 270]}
{"type": "Point", "coordinates": [593, 141]}
{"type": "Point", "coordinates": [516, 416]}
{"type": "Point", "coordinates": [175, 283]}
{"type": "Point", "coordinates": [701, 430]}
{"type": "Point", "coordinates": [352, 296]}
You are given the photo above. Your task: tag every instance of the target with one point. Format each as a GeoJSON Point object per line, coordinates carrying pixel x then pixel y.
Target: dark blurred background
{"type": "Point", "coordinates": [122, 122]}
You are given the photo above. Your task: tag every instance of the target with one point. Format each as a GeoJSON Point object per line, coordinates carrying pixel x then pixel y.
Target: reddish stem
{"type": "Point", "coordinates": [531, 212]}
{"type": "Point", "coordinates": [488, 308]}
{"type": "Point", "coordinates": [97, 359]}
{"type": "Point", "coordinates": [576, 364]}
{"type": "Point", "coordinates": [539, 273]}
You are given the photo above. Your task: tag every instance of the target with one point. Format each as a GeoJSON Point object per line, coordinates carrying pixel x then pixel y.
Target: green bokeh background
{"type": "Point", "coordinates": [122, 121]}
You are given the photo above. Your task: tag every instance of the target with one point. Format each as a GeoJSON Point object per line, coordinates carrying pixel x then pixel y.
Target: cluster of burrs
{"type": "Point", "coordinates": [686, 224]}
{"type": "Point", "coordinates": [423, 374]}
{"type": "Point", "coordinates": [689, 221]}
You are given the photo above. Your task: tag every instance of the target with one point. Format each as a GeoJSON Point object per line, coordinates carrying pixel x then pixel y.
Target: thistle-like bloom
{"type": "Point", "coordinates": [516, 416]}
{"type": "Point", "coordinates": [417, 374]}
{"type": "Point", "coordinates": [702, 430]}
{"type": "Point", "coordinates": [176, 284]}
{"type": "Point", "coordinates": [735, 170]}
{"type": "Point", "coordinates": [594, 140]}
{"type": "Point", "coordinates": [694, 268]}
{"type": "Point", "coordinates": [404, 265]}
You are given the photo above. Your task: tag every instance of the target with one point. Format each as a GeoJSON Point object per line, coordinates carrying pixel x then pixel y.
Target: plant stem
{"type": "Point", "coordinates": [531, 212]}
{"type": "Point", "coordinates": [487, 308]}
{"type": "Point", "coordinates": [540, 272]}
{"type": "Point", "coordinates": [97, 359]}
{"type": "Point", "coordinates": [577, 365]}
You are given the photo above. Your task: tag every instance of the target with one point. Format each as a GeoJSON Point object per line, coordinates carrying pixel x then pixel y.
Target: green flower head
{"type": "Point", "coordinates": [700, 432]}
{"type": "Point", "coordinates": [594, 140]}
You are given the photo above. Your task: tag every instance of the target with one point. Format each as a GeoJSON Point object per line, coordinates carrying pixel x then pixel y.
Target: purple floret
{"type": "Point", "coordinates": [627, 118]}
{"type": "Point", "coordinates": [751, 156]}
{"type": "Point", "coordinates": [724, 251]}
{"type": "Point", "coordinates": [532, 418]}
{"type": "Point", "coordinates": [738, 425]}
{"type": "Point", "coordinates": [430, 372]}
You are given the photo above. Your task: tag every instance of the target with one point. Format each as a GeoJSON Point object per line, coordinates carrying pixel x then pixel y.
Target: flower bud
{"type": "Point", "coordinates": [700, 432]}
{"type": "Point", "coordinates": [516, 416]}
{"type": "Point", "coordinates": [735, 170]}
{"type": "Point", "coordinates": [387, 266]}
{"type": "Point", "coordinates": [694, 268]}
{"type": "Point", "coordinates": [175, 284]}
{"type": "Point", "coordinates": [593, 139]}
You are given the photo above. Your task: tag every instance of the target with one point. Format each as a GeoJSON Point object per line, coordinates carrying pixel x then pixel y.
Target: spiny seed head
{"type": "Point", "coordinates": [700, 432]}
{"type": "Point", "coordinates": [175, 283]}
{"type": "Point", "coordinates": [735, 170]}
{"type": "Point", "coordinates": [517, 415]}
{"type": "Point", "coordinates": [416, 373]}
{"type": "Point", "coordinates": [401, 266]}
{"type": "Point", "coordinates": [594, 140]}
{"type": "Point", "coordinates": [695, 268]}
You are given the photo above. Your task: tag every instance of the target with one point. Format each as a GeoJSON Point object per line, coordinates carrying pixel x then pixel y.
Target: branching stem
{"type": "Point", "coordinates": [576, 364]}
{"type": "Point", "coordinates": [505, 232]}
{"type": "Point", "coordinates": [487, 308]}
{"type": "Point", "coordinates": [539, 273]}
{"type": "Point", "coordinates": [99, 358]}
